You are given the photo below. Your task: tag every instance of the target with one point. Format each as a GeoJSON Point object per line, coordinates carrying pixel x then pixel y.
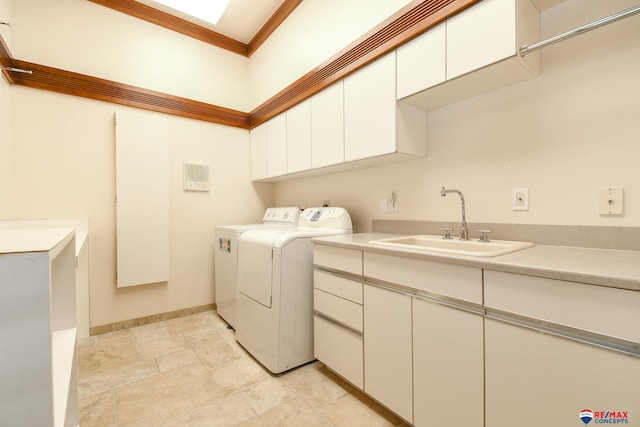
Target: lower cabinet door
{"type": "Point", "coordinates": [388, 375]}
{"type": "Point", "coordinates": [448, 366]}
{"type": "Point", "coordinates": [340, 349]}
{"type": "Point", "coordinates": [535, 378]}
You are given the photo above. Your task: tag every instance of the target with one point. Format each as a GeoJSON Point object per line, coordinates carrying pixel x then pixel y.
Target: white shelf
{"type": "Point", "coordinates": [39, 327]}
{"type": "Point", "coordinates": [63, 360]}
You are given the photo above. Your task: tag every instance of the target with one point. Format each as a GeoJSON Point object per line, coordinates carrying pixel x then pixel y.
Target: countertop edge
{"type": "Point", "coordinates": [520, 262]}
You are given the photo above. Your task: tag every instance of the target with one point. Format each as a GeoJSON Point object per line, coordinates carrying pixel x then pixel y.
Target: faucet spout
{"type": "Point", "coordinates": [464, 232]}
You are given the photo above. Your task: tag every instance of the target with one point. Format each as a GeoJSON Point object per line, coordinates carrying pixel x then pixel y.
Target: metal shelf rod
{"type": "Point", "coordinates": [588, 27]}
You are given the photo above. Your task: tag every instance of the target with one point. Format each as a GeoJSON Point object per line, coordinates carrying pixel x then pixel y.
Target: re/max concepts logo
{"type": "Point", "coordinates": [604, 417]}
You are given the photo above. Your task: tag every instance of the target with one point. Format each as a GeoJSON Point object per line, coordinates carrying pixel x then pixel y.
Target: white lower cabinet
{"type": "Point", "coordinates": [443, 344]}
{"type": "Point", "coordinates": [388, 374]}
{"type": "Point", "coordinates": [448, 365]}
{"type": "Point", "coordinates": [337, 304]}
{"type": "Point", "coordinates": [553, 379]}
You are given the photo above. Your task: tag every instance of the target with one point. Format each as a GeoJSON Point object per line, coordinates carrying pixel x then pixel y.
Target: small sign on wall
{"type": "Point", "coordinates": [195, 177]}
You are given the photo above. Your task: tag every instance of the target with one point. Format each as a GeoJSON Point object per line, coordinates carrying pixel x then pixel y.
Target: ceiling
{"type": "Point", "coordinates": [241, 21]}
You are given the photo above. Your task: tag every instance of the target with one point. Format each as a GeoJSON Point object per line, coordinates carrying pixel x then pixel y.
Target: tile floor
{"type": "Point", "coordinates": [189, 371]}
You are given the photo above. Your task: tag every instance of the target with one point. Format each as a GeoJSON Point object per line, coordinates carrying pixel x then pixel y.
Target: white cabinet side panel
{"type": "Point", "coordinates": [142, 189]}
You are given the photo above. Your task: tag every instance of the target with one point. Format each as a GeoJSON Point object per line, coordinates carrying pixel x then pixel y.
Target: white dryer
{"type": "Point", "coordinates": [274, 313]}
{"type": "Point", "coordinates": [226, 255]}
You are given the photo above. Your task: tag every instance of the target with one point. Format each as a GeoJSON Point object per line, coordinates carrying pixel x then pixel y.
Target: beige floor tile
{"type": "Point", "coordinates": [164, 345]}
{"type": "Point", "coordinates": [114, 337]}
{"type": "Point", "coordinates": [98, 410]}
{"type": "Point", "coordinates": [150, 332]}
{"type": "Point", "coordinates": [316, 385]}
{"type": "Point", "coordinates": [176, 360]}
{"type": "Point", "coordinates": [357, 410]}
{"type": "Point", "coordinates": [166, 396]}
{"type": "Point", "coordinates": [227, 411]}
{"type": "Point", "coordinates": [105, 357]}
{"type": "Point", "coordinates": [104, 380]}
{"type": "Point", "coordinates": [292, 413]}
{"type": "Point", "coordinates": [189, 325]}
{"type": "Point", "coordinates": [239, 374]}
{"type": "Point", "coordinates": [214, 351]}
{"type": "Point", "coordinates": [267, 394]}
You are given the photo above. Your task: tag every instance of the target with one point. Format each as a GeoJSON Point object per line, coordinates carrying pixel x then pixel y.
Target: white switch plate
{"type": "Point", "coordinates": [520, 199]}
{"type": "Point", "coordinates": [383, 205]}
{"type": "Point", "coordinates": [611, 201]}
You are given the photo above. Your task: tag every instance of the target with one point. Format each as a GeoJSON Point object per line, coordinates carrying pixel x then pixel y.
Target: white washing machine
{"type": "Point", "coordinates": [226, 255]}
{"type": "Point", "coordinates": [274, 313]}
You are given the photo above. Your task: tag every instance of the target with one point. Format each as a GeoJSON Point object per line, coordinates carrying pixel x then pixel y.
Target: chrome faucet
{"type": "Point", "coordinates": [464, 232]}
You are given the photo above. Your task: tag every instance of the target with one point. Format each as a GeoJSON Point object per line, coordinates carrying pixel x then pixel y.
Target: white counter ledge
{"type": "Point", "coordinates": [602, 267]}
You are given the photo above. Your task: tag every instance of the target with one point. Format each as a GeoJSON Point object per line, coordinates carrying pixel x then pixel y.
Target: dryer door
{"type": "Point", "coordinates": [255, 265]}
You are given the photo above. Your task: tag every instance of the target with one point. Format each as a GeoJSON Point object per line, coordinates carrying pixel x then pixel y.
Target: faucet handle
{"type": "Point", "coordinates": [447, 232]}
{"type": "Point", "coordinates": [483, 235]}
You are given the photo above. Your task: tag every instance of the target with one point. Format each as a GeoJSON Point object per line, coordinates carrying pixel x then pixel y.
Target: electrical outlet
{"type": "Point", "coordinates": [393, 202]}
{"type": "Point", "coordinates": [520, 199]}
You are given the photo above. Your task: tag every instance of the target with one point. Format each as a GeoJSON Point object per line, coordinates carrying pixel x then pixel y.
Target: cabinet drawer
{"type": "Point", "coordinates": [336, 285]}
{"type": "Point", "coordinates": [349, 260]}
{"type": "Point", "coordinates": [340, 349]}
{"type": "Point", "coordinates": [455, 281]}
{"type": "Point", "coordinates": [337, 308]}
{"type": "Point", "coordinates": [608, 311]}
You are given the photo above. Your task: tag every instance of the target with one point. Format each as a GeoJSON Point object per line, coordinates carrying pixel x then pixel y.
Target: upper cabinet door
{"type": "Point", "coordinates": [259, 152]}
{"type": "Point", "coordinates": [422, 62]}
{"type": "Point", "coordinates": [327, 126]}
{"type": "Point", "coordinates": [481, 35]}
{"type": "Point", "coordinates": [277, 146]}
{"type": "Point", "coordinates": [370, 110]}
{"type": "Point", "coordinates": [299, 137]}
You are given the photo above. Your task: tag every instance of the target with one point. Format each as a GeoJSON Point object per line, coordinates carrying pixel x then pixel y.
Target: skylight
{"type": "Point", "coordinates": [206, 10]}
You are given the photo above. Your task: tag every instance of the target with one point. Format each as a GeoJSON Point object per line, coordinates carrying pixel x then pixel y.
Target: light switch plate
{"type": "Point", "coordinates": [611, 201]}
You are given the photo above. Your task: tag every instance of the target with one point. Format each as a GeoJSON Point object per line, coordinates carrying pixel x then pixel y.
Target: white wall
{"type": "Point", "coordinates": [312, 34]}
{"type": "Point", "coordinates": [65, 167]}
{"type": "Point", "coordinates": [91, 39]}
{"type": "Point", "coordinates": [562, 135]}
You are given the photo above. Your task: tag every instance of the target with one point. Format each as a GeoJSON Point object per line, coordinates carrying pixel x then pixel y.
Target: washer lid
{"type": "Point", "coordinates": [279, 237]}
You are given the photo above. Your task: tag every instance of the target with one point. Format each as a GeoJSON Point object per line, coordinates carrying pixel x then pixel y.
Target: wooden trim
{"type": "Point", "coordinates": [409, 22]}
{"type": "Point", "coordinates": [272, 24]}
{"type": "Point", "coordinates": [6, 60]}
{"type": "Point", "coordinates": [171, 22]}
{"type": "Point", "coordinates": [61, 81]}
{"type": "Point", "coordinates": [182, 26]}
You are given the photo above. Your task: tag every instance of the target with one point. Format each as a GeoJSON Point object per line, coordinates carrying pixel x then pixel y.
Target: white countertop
{"type": "Point", "coordinates": [602, 267]}
{"type": "Point", "coordinates": [35, 240]}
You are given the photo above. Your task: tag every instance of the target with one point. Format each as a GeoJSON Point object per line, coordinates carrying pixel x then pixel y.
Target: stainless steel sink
{"type": "Point", "coordinates": [453, 246]}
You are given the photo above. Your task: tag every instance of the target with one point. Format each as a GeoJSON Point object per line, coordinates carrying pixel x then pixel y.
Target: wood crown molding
{"type": "Point", "coordinates": [188, 28]}
{"type": "Point", "coordinates": [406, 24]}
{"type": "Point", "coordinates": [61, 81]}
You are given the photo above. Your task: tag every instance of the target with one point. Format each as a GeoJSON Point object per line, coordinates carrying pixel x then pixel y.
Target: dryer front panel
{"type": "Point", "coordinates": [255, 267]}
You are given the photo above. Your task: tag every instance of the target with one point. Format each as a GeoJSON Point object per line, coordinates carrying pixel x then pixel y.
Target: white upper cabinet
{"type": "Point", "coordinates": [299, 137]}
{"type": "Point", "coordinates": [327, 126]}
{"type": "Point", "coordinates": [277, 146]}
{"type": "Point", "coordinates": [259, 152]}
{"type": "Point", "coordinates": [422, 62]}
{"type": "Point", "coordinates": [269, 149]}
{"type": "Point", "coordinates": [480, 36]}
{"type": "Point", "coordinates": [374, 124]}
{"type": "Point", "coordinates": [370, 110]}
{"type": "Point", "coordinates": [482, 54]}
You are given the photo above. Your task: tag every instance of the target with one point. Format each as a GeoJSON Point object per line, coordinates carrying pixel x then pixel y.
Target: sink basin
{"type": "Point", "coordinates": [453, 246]}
